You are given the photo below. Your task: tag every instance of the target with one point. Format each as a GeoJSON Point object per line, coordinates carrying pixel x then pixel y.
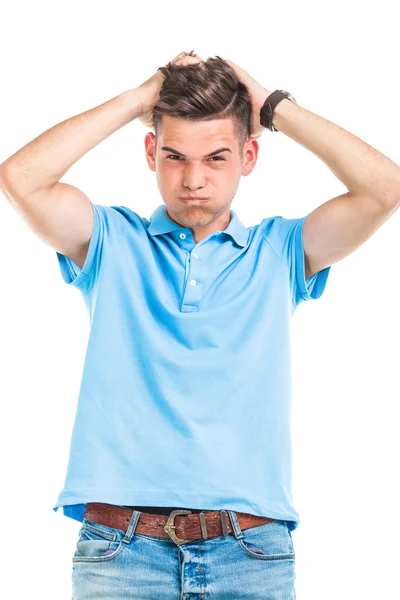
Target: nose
{"type": "Point", "coordinates": [193, 177]}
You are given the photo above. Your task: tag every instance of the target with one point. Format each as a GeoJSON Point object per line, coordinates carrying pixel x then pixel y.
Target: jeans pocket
{"type": "Point", "coordinates": [271, 541]}
{"type": "Point", "coordinates": [97, 543]}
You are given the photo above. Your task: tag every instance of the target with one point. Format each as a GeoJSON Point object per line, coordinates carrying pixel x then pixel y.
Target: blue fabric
{"type": "Point", "coordinates": [255, 562]}
{"type": "Point", "coordinates": [185, 398]}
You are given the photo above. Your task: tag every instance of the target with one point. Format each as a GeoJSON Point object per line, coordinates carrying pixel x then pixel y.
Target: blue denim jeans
{"type": "Point", "coordinates": [111, 564]}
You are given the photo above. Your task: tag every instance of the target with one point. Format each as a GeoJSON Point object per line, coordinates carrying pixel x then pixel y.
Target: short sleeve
{"type": "Point", "coordinates": [286, 238]}
{"type": "Point", "coordinates": [109, 226]}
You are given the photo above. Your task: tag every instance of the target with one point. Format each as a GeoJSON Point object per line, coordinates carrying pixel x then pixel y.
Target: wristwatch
{"type": "Point", "coordinates": [267, 109]}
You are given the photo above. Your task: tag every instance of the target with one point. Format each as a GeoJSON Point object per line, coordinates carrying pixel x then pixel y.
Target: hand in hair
{"type": "Point", "coordinates": [258, 95]}
{"type": "Point", "coordinates": [149, 91]}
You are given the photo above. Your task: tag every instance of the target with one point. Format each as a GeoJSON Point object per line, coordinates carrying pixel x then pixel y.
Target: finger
{"type": "Point", "coordinates": [184, 59]}
{"type": "Point", "coordinates": [185, 56]}
{"type": "Point", "coordinates": [233, 65]}
{"type": "Point", "coordinates": [178, 57]}
{"type": "Point", "coordinates": [192, 60]}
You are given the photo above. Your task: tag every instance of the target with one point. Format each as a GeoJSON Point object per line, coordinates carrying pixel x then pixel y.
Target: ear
{"type": "Point", "coordinates": [250, 154]}
{"type": "Point", "coordinates": [150, 148]}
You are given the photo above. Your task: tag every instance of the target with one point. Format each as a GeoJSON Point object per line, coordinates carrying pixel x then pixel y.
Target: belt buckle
{"type": "Point", "coordinates": [169, 526]}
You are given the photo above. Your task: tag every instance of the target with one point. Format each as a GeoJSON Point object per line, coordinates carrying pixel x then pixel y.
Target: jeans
{"type": "Point", "coordinates": [111, 564]}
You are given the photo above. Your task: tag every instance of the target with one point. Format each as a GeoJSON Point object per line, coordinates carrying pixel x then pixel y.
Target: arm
{"type": "Point", "coordinates": [43, 161]}
{"type": "Point", "coordinates": [362, 169]}
{"type": "Point", "coordinates": [340, 225]}
{"type": "Point", "coordinates": [59, 213]}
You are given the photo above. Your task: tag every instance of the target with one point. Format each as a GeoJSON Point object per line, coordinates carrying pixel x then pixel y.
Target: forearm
{"type": "Point", "coordinates": [43, 161]}
{"type": "Point", "coordinates": [358, 165]}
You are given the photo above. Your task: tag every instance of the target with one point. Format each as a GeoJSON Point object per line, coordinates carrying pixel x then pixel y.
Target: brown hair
{"type": "Point", "coordinates": [204, 92]}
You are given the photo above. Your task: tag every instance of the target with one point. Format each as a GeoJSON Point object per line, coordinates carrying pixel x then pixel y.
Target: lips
{"type": "Point", "coordinates": [188, 199]}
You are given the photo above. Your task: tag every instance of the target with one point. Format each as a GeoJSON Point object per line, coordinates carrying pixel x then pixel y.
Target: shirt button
{"type": "Point", "coordinates": [182, 236]}
{"type": "Point", "coordinates": [195, 255]}
{"type": "Point", "coordinates": [193, 282]}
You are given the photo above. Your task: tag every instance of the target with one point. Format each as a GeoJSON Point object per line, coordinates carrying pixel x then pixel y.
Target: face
{"type": "Point", "coordinates": [180, 159]}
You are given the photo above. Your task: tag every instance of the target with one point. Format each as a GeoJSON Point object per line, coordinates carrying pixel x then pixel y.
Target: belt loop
{"type": "Point", "coordinates": [235, 524]}
{"type": "Point", "coordinates": [203, 525]}
{"type": "Point", "coordinates": [130, 532]}
{"type": "Point", "coordinates": [224, 522]}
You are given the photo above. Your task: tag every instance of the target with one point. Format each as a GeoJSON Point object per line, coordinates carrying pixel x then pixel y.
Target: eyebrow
{"type": "Point", "coordinates": [169, 149]}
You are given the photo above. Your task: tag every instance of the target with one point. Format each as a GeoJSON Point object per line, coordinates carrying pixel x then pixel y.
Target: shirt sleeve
{"type": "Point", "coordinates": [286, 238]}
{"type": "Point", "coordinates": [109, 226]}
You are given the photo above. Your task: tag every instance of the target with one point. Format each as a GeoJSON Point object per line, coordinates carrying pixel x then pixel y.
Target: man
{"type": "Point", "coordinates": [180, 458]}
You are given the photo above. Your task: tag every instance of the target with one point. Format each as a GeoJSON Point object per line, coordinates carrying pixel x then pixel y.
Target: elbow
{"type": "Point", "coordinates": [13, 182]}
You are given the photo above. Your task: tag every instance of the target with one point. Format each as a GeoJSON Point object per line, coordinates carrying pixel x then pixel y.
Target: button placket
{"type": "Point", "coordinates": [194, 279]}
{"type": "Point", "coordinates": [192, 291]}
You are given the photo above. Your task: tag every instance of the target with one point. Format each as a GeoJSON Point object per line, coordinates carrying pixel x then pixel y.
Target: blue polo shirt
{"type": "Point", "coordinates": [185, 398]}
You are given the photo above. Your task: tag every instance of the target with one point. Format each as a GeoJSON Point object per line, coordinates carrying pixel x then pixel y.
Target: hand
{"type": "Point", "coordinates": [149, 91]}
{"type": "Point", "coordinates": [258, 95]}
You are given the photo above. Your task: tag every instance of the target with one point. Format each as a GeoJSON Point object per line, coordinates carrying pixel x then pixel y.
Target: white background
{"type": "Point", "coordinates": [340, 61]}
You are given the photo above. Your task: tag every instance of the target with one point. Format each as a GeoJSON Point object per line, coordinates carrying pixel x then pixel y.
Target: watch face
{"type": "Point", "coordinates": [289, 96]}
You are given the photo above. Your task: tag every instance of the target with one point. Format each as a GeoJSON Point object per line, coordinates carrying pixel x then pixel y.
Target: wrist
{"type": "Point", "coordinates": [264, 95]}
{"type": "Point", "coordinates": [133, 99]}
{"type": "Point", "coordinates": [261, 99]}
{"type": "Point", "coordinates": [149, 91]}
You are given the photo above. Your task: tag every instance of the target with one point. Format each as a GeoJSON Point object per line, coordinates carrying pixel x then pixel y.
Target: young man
{"type": "Point", "coordinates": [180, 459]}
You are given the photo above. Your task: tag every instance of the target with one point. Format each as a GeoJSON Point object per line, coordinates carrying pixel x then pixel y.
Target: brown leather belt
{"type": "Point", "coordinates": [180, 525]}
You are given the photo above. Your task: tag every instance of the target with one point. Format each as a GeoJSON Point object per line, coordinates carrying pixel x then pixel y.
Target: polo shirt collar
{"type": "Point", "coordinates": [161, 223]}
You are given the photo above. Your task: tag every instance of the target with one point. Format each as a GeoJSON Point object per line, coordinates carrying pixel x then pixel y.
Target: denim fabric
{"type": "Point", "coordinates": [110, 564]}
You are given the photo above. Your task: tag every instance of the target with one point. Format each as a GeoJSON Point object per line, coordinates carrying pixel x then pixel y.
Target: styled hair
{"type": "Point", "coordinates": [204, 92]}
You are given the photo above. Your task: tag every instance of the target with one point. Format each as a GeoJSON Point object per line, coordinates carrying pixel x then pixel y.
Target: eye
{"type": "Point", "coordinates": [217, 157]}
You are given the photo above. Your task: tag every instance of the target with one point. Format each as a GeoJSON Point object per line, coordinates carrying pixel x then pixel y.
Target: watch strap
{"type": "Point", "coordinates": [267, 109]}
